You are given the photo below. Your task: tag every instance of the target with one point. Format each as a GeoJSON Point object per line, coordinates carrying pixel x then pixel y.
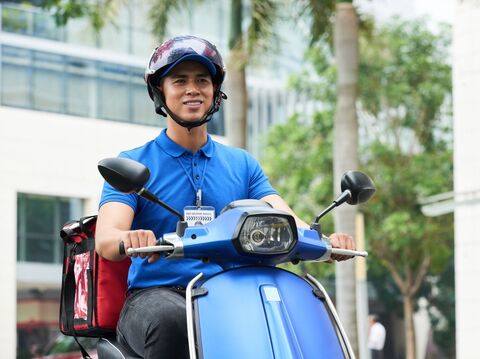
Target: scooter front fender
{"type": "Point", "coordinates": [265, 313]}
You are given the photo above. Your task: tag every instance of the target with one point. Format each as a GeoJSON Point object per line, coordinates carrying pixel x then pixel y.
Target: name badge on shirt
{"type": "Point", "coordinates": [197, 216]}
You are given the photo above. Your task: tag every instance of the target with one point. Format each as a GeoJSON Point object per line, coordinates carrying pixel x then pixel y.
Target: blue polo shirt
{"type": "Point", "coordinates": [224, 174]}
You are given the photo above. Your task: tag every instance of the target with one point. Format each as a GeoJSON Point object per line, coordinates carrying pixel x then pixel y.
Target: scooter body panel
{"type": "Point", "coordinates": [263, 313]}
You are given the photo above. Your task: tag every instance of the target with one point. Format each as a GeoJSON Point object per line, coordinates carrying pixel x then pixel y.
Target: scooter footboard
{"type": "Point", "coordinates": [263, 313]}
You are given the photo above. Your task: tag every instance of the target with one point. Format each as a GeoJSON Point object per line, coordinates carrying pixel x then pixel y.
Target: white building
{"type": "Point", "coordinates": [466, 90]}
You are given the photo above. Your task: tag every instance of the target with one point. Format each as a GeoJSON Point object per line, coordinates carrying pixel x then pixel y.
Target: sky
{"type": "Point", "coordinates": [437, 10]}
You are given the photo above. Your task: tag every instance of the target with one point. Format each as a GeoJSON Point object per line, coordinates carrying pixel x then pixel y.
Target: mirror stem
{"type": "Point", "coordinates": [340, 200]}
{"type": "Point", "coordinates": [145, 193]}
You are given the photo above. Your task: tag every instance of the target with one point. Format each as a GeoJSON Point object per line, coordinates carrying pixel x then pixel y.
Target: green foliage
{"type": "Point", "coordinates": [320, 15]}
{"type": "Point", "coordinates": [99, 12]}
{"type": "Point", "coordinates": [405, 85]}
{"type": "Point", "coordinates": [319, 82]}
{"type": "Point", "coordinates": [260, 33]}
{"type": "Point", "coordinates": [406, 78]}
{"type": "Point", "coordinates": [406, 147]}
{"type": "Point", "coordinates": [160, 12]}
{"type": "Point", "coordinates": [441, 297]}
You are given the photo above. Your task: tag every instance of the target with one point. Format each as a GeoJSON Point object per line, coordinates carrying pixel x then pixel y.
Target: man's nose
{"type": "Point", "coordinates": [192, 89]}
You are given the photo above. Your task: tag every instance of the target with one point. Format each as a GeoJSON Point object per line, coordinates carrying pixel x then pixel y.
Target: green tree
{"type": "Point", "coordinates": [406, 137]}
{"type": "Point", "coordinates": [410, 146]}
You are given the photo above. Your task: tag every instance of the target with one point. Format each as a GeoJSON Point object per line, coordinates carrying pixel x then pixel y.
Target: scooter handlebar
{"type": "Point", "coordinates": [349, 252]}
{"type": "Point", "coordinates": [150, 249]}
{"type": "Point", "coordinates": [159, 247]}
{"type": "Point", "coordinates": [343, 252]}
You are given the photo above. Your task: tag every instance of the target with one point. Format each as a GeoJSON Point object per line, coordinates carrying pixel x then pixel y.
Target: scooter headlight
{"type": "Point", "coordinates": [267, 234]}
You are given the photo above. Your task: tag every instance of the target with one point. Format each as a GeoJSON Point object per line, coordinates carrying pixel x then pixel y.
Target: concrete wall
{"type": "Point", "coordinates": [466, 88]}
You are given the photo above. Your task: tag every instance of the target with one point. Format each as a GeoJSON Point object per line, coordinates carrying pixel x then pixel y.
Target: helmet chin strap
{"type": "Point", "coordinates": [162, 109]}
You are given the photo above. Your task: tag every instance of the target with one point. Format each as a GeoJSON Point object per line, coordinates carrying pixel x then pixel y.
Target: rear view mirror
{"type": "Point", "coordinates": [356, 187]}
{"type": "Point", "coordinates": [123, 174]}
{"type": "Point", "coordinates": [360, 186]}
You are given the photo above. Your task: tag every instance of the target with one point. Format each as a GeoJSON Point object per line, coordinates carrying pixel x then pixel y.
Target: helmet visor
{"type": "Point", "coordinates": [192, 57]}
{"type": "Point", "coordinates": [179, 49]}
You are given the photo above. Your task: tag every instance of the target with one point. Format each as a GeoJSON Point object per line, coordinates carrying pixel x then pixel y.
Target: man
{"type": "Point", "coordinates": [376, 337]}
{"type": "Point", "coordinates": [184, 78]}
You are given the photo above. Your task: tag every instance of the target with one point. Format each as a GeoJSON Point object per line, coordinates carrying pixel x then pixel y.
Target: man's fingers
{"type": "Point", "coordinates": [153, 257]}
{"type": "Point", "coordinates": [131, 242]}
{"type": "Point", "coordinates": [141, 238]}
{"type": "Point", "coordinates": [344, 241]}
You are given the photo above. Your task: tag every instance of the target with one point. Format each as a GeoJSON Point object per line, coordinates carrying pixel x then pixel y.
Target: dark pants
{"type": "Point", "coordinates": [377, 354]}
{"type": "Point", "coordinates": [153, 324]}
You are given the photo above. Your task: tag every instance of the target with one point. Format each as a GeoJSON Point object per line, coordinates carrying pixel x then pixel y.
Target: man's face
{"type": "Point", "coordinates": [188, 90]}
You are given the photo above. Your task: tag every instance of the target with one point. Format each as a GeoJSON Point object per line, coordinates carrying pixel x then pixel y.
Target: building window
{"type": "Point", "coordinates": [113, 92]}
{"type": "Point", "coordinates": [80, 91]}
{"type": "Point", "coordinates": [16, 74]}
{"type": "Point", "coordinates": [48, 82]}
{"type": "Point", "coordinates": [64, 84]}
{"type": "Point", "coordinates": [39, 219]}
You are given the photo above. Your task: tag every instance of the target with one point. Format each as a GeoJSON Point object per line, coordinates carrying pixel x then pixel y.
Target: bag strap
{"type": "Point", "coordinates": [69, 300]}
{"type": "Point", "coordinates": [85, 354]}
{"type": "Point", "coordinates": [70, 289]}
{"type": "Point", "coordinates": [70, 286]}
{"type": "Point", "coordinates": [82, 222]}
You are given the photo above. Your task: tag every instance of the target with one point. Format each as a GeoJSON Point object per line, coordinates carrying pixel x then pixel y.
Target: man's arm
{"type": "Point", "coordinates": [113, 226]}
{"type": "Point", "coordinates": [278, 202]}
{"type": "Point", "coordinates": [337, 240]}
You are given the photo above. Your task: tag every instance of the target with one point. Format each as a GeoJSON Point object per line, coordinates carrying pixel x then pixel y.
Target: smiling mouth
{"type": "Point", "coordinates": [193, 103]}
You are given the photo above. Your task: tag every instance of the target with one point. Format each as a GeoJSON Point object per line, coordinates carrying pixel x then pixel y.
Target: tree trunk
{"type": "Point", "coordinates": [236, 85]}
{"type": "Point", "coordinates": [346, 154]}
{"type": "Point", "coordinates": [411, 347]}
{"type": "Point", "coordinates": [236, 105]}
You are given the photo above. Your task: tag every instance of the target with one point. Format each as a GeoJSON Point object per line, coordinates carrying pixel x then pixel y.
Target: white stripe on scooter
{"type": "Point", "coordinates": [271, 294]}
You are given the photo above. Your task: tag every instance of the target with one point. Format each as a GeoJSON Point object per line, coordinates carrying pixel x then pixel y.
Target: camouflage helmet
{"type": "Point", "coordinates": [174, 51]}
{"type": "Point", "coordinates": [183, 48]}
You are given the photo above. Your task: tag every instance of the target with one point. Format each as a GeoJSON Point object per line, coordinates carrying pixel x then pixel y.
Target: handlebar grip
{"type": "Point", "coordinates": [121, 248]}
{"type": "Point", "coordinates": [122, 251]}
{"type": "Point", "coordinates": [349, 252]}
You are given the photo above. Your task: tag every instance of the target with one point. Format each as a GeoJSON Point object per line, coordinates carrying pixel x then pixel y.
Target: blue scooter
{"type": "Point", "coordinates": [251, 309]}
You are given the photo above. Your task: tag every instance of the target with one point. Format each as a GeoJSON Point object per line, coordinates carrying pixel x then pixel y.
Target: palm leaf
{"type": "Point", "coordinates": [260, 33]}
{"type": "Point", "coordinates": [99, 12]}
{"type": "Point", "coordinates": [321, 15]}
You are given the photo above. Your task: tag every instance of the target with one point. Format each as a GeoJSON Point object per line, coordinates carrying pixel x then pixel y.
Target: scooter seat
{"type": "Point", "coordinates": [109, 348]}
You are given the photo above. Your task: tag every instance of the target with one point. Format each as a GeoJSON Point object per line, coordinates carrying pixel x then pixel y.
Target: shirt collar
{"type": "Point", "coordinates": [175, 150]}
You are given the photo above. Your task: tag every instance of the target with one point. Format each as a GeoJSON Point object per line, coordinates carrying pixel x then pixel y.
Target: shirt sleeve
{"type": "Point", "coordinates": [258, 186]}
{"type": "Point", "coordinates": [110, 194]}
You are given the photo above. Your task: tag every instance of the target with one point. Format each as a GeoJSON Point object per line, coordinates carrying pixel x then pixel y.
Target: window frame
{"type": "Point", "coordinates": [76, 209]}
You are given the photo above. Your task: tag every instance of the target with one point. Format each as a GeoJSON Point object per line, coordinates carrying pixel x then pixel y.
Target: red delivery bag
{"type": "Point", "coordinates": [93, 288]}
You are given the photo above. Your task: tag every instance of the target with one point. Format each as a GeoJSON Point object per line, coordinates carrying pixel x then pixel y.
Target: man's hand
{"type": "Point", "coordinates": [140, 238]}
{"type": "Point", "coordinates": [343, 241]}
